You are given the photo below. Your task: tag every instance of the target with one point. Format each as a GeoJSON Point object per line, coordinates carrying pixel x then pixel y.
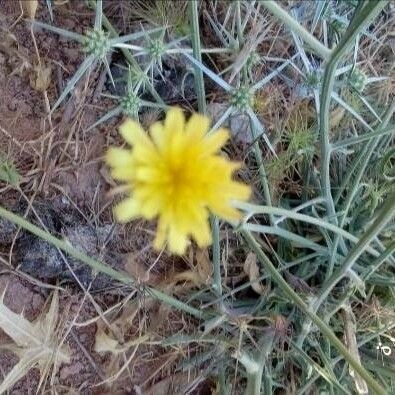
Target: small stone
{"type": "Point", "coordinates": [7, 231]}
{"type": "Point", "coordinates": [40, 259]}
{"type": "Point", "coordinates": [238, 123]}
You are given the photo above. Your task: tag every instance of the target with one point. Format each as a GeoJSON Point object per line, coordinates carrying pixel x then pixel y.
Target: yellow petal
{"type": "Point", "coordinates": [178, 241]}
{"type": "Point", "coordinates": [118, 157]}
{"type": "Point", "coordinates": [177, 146]}
{"type": "Point", "coordinates": [150, 208]}
{"type": "Point", "coordinates": [221, 167]}
{"type": "Point", "coordinates": [225, 211]}
{"type": "Point", "coordinates": [158, 135]}
{"type": "Point", "coordinates": [127, 210]}
{"type": "Point", "coordinates": [197, 126]}
{"type": "Point", "coordinates": [202, 233]}
{"type": "Point", "coordinates": [161, 234]}
{"type": "Point", "coordinates": [238, 191]}
{"type": "Point", "coordinates": [133, 133]}
{"type": "Point", "coordinates": [148, 174]}
{"type": "Point", "coordinates": [123, 173]}
{"type": "Point", "coordinates": [175, 120]}
{"type": "Point", "coordinates": [216, 141]}
{"type": "Point", "coordinates": [145, 154]}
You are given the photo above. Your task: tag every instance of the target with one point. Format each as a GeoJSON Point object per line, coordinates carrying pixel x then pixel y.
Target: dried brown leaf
{"type": "Point", "coordinates": [40, 79]}
{"type": "Point", "coordinates": [140, 272]}
{"type": "Point", "coordinates": [105, 343]}
{"type": "Point", "coordinates": [350, 330]}
{"type": "Point", "coordinates": [30, 8]}
{"type": "Point", "coordinates": [203, 265]}
{"type": "Point", "coordinates": [252, 270]}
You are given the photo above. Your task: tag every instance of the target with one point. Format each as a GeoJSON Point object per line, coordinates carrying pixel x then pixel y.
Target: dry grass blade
{"type": "Point", "coordinates": [351, 341]}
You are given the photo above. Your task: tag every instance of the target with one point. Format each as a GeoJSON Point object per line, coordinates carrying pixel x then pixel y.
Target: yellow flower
{"type": "Point", "coordinates": [176, 174]}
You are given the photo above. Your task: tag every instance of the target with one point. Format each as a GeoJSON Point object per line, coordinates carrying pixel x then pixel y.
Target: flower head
{"type": "Point", "coordinates": [176, 174]}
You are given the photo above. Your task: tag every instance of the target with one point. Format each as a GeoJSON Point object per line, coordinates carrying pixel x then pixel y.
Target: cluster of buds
{"type": "Point", "coordinates": [97, 43]}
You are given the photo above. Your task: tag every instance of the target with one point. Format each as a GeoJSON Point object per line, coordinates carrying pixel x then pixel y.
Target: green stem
{"type": "Point", "coordinates": [261, 169]}
{"type": "Point", "coordinates": [359, 139]}
{"type": "Point", "coordinates": [386, 214]}
{"type": "Point", "coordinates": [363, 162]}
{"type": "Point", "coordinates": [359, 23]}
{"type": "Point", "coordinates": [294, 25]}
{"type": "Point", "coordinates": [285, 213]}
{"type": "Point", "coordinates": [202, 106]}
{"type": "Point", "coordinates": [216, 257]}
{"type": "Point", "coordinates": [360, 19]}
{"type": "Point", "coordinates": [359, 166]}
{"type": "Point", "coordinates": [297, 300]}
{"type": "Point", "coordinates": [93, 263]}
{"type": "Point", "coordinates": [365, 154]}
{"type": "Point", "coordinates": [375, 265]}
{"type": "Point", "coordinates": [316, 376]}
{"type": "Point", "coordinates": [254, 383]}
{"type": "Point", "coordinates": [254, 370]}
{"type": "Point", "coordinates": [199, 82]}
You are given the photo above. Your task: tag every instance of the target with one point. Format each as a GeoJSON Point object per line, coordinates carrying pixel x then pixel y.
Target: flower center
{"type": "Point", "coordinates": [178, 180]}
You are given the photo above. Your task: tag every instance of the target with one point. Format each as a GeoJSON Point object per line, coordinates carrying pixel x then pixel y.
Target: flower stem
{"type": "Point", "coordinates": [261, 169]}
{"type": "Point", "coordinates": [358, 24]}
{"type": "Point", "coordinates": [201, 96]}
{"type": "Point", "coordinates": [197, 53]}
{"type": "Point", "coordinates": [202, 106]}
{"type": "Point", "coordinates": [216, 257]}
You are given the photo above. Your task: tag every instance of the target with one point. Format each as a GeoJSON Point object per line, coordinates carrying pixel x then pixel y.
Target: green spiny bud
{"type": "Point", "coordinates": [130, 104]}
{"type": "Point", "coordinates": [313, 80]}
{"type": "Point", "coordinates": [242, 98]}
{"type": "Point", "coordinates": [156, 49]}
{"type": "Point", "coordinates": [358, 80]}
{"type": "Point", "coordinates": [97, 43]}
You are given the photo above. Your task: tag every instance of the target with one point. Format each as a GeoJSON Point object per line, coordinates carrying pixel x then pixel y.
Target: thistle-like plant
{"type": "Point", "coordinates": [96, 43]}
{"type": "Point", "coordinates": [312, 73]}
{"type": "Point", "coordinates": [130, 103]}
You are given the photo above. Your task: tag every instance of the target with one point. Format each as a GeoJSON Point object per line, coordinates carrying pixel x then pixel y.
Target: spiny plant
{"type": "Point", "coordinates": [297, 147]}
{"type": "Point", "coordinates": [97, 45]}
{"type": "Point", "coordinates": [130, 103]}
